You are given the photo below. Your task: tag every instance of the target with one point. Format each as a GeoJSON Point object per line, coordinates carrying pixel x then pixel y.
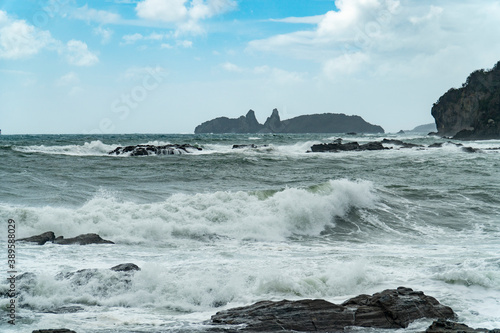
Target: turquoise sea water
{"type": "Point", "coordinates": [224, 227]}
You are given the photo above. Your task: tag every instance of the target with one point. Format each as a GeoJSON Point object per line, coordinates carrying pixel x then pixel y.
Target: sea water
{"type": "Point", "coordinates": [222, 227]}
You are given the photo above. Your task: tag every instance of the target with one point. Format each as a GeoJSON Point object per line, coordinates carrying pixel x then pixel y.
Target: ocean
{"type": "Point", "coordinates": [222, 227]}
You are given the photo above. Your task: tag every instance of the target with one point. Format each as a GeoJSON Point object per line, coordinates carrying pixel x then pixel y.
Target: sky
{"type": "Point", "coordinates": [165, 66]}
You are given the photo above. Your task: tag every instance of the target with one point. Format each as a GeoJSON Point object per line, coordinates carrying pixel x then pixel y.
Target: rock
{"type": "Point", "coordinates": [424, 128]}
{"type": "Point", "coordinates": [244, 146]}
{"type": "Point", "coordinates": [444, 326]}
{"type": "Point", "coordinates": [394, 308]}
{"type": "Point", "coordinates": [471, 112]}
{"type": "Point", "coordinates": [40, 239]}
{"type": "Point", "coordinates": [315, 123]}
{"type": "Point", "coordinates": [145, 150]}
{"type": "Point", "coordinates": [82, 240]}
{"type": "Point", "coordinates": [125, 267]}
{"type": "Point", "coordinates": [54, 330]}
{"type": "Point", "coordinates": [400, 143]}
{"type": "Point", "coordinates": [470, 150]}
{"type": "Point", "coordinates": [66, 309]}
{"type": "Point", "coordinates": [337, 146]}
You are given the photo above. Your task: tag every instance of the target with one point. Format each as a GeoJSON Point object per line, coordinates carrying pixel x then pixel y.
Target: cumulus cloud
{"type": "Point", "coordinates": [185, 14]}
{"type": "Point", "coordinates": [380, 36]}
{"type": "Point", "coordinates": [19, 39]}
{"type": "Point", "coordinates": [78, 54]}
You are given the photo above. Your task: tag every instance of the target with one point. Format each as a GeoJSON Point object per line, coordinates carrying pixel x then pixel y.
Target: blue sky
{"type": "Point", "coordinates": [165, 66]}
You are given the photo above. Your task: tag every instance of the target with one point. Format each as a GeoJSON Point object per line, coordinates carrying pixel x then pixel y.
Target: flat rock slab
{"type": "Point", "coordinates": [392, 308]}
{"type": "Point", "coordinates": [54, 330]}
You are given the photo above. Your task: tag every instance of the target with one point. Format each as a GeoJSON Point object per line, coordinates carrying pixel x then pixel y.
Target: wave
{"type": "Point", "coordinates": [266, 215]}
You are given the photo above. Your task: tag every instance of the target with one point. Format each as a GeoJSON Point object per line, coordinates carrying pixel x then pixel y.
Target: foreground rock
{"type": "Point", "coordinates": [394, 308]}
{"type": "Point", "coordinates": [444, 326]}
{"type": "Point", "coordinates": [314, 123]}
{"type": "Point", "coordinates": [471, 112]}
{"type": "Point", "coordinates": [145, 150]}
{"type": "Point", "coordinates": [125, 267]}
{"type": "Point", "coordinates": [49, 236]}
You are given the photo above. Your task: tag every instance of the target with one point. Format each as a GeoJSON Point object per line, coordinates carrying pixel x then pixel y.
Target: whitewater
{"type": "Point", "coordinates": [221, 227]}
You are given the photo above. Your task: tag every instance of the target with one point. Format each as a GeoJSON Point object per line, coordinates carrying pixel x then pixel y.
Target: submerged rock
{"type": "Point", "coordinates": [393, 308]}
{"type": "Point", "coordinates": [40, 239]}
{"type": "Point", "coordinates": [125, 267]}
{"type": "Point", "coordinates": [401, 143]}
{"type": "Point", "coordinates": [54, 330]}
{"type": "Point", "coordinates": [145, 150]}
{"type": "Point", "coordinates": [338, 146]}
{"type": "Point", "coordinates": [445, 326]}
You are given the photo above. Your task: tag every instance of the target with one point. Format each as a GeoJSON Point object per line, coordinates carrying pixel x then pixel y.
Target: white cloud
{"type": "Point", "coordinates": [230, 67]}
{"type": "Point", "coordinates": [78, 54]}
{"type": "Point", "coordinates": [301, 20]}
{"type": "Point", "coordinates": [185, 14]}
{"type": "Point", "coordinates": [68, 79]}
{"type": "Point", "coordinates": [380, 37]}
{"type": "Point", "coordinates": [101, 16]}
{"type": "Point", "coordinates": [104, 33]}
{"type": "Point", "coordinates": [19, 40]}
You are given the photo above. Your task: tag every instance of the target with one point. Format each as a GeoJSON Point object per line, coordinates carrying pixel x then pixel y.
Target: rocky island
{"type": "Point", "coordinates": [471, 112]}
{"type": "Point", "coordinates": [315, 123]}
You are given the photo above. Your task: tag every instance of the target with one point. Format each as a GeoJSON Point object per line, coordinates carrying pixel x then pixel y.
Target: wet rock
{"type": "Point", "coordinates": [338, 146]}
{"type": "Point", "coordinates": [40, 239]}
{"type": "Point", "coordinates": [54, 330]}
{"type": "Point", "coordinates": [66, 309]}
{"type": "Point", "coordinates": [244, 146]}
{"type": "Point", "coordinates": [401, 143]}
{"type": "Point", "coordinates": [470, 150]}
{"type": "Point", "coordinates": [394, 308]}
{"type": "Point", "coordinates": [125, 267]}
{"type": "Point", "coordinates": [445, 326]}
{"type": "Point", "coordinates": [145, 150]}
{"type": "Point", "coordinates": [82, 240]}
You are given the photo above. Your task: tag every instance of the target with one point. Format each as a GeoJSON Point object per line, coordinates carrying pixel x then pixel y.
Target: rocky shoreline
{"type": "Point", "coordinates": [390, 309]}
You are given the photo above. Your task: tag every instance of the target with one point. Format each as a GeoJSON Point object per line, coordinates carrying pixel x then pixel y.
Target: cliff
{"type": "Point", "coordinates": [315, 123]}
{"type": "Point", "coordinates": [472, 111]}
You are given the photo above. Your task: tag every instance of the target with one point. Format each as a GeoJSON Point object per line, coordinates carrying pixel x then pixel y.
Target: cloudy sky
{"type": "Point", "coordinates": [164, 66]}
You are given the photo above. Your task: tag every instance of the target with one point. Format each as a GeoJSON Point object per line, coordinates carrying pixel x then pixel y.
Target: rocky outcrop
{"type": "Point", "coordinates": [315, 123]}
{"type": "Point", "coordinates": [49, 236]}
{"type": "Point", "coordinates": [393, 308]}
{"type": "Point", "coordinates": [85, 239]}
{"type": "Point", "coordinates": [350, 146]}
{"type": "Point", "coordinates": [472, 111]}
{"type": "Point", "coordinates": [145, 150]}
{"type": "Point", "coordinates": [125, 267]}
{"type": "Point", "coordinates": [445, 326]}
{"type": "Point", "coordinates": [243, 124]}
{"type": "Point", "coordinates": [40, 239]}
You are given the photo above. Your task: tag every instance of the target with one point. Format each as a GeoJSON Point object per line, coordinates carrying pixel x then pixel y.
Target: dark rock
{"type": "Point", "coordinates": [66, 309]}
{"type": "Point", "coordinates": [315, 123]}
{"type": "Point", "coordinates": [471, 112]}
{"type": "Point", "coordinates": [54, 330]}
{"type": "Point", "coordinates": [470, 150]}
{"type": "Point", "coordinates": [82, 240]}
{"type": "Point", "coordinates": [145, 150]}
{"type": "Point", "coordinates": [388, 309]}
{"type": "Point", "coordinates": [338, 146]}
{"type": "Point", "coordinates": [244, 146]}
{"type": "Point", "coordinates": [400, 143]}
{"type": "Point", "coordinates": [40, 239]}
{"type": "Point", "coordinates": [243, 124]}
{"type": "Point", "coordinates": [445, 326]}
{"type": "Point", "coordinates": [436, 145]}
{"type": "Point", "coordinates": [125, 267]}
{"type": "Point", "coordinates": [401, 132]}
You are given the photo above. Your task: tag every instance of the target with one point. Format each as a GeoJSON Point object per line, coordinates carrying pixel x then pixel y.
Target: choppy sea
{"type": "Point", "coordinates": [222, 227]}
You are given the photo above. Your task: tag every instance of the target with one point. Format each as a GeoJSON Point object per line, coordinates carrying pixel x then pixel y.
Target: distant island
{"type": "Point", "coordinates": [471, 112]}
{"type": "Point", "coordinates": [314, 123]}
